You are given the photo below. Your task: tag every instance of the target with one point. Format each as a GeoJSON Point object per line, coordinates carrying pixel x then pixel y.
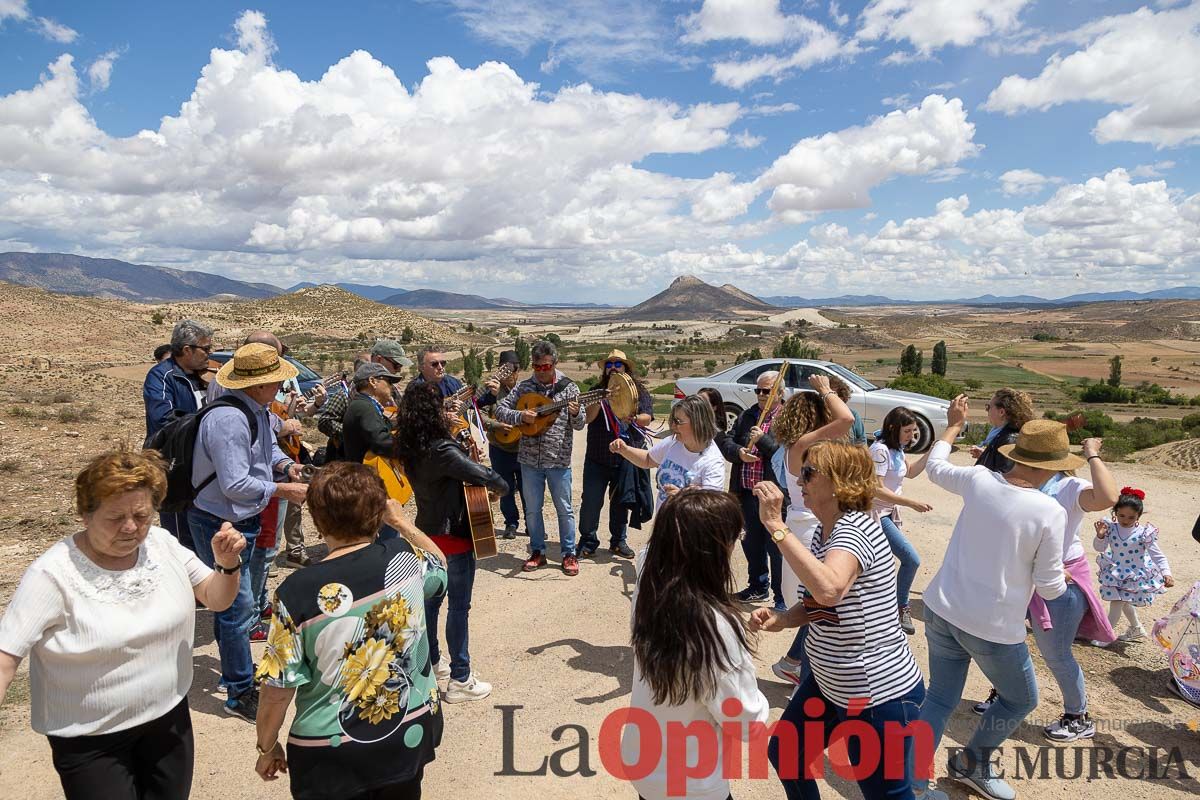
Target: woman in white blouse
{"type": "Point", "coordinates": [107, 617]}
{"type": "Point", "coordinates": [691, 651]}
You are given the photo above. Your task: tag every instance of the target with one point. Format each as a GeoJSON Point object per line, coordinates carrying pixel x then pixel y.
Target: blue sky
{"type": "Point", "coordinates": [574, 151]}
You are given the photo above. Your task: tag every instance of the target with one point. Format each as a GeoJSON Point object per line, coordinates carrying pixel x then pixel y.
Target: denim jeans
{"type": "Point", "coordinates": [509, 468]}
{"type": "Point", "coordinates": [260, 567]}
{"type": "Point", "coordinates": [535, 480]}
{"type": "Point", "coordinates": [460, 580]}
{"type": "Point", "coordinates": [176, 523]}
{"type": "Point", "coordinates": [597, 480]}
{"type": "Point", "coordinates": [764, 562]}
{"type": "Point", "coordinates": [1066, 612]}
{"type": "Point", "coordinates": [1007, 666]}
{"type": "Point", "coordinates": [909, 558]}
{"type": "Point", "coordinates": [893, 776]}
{"type": "Point", "coordinates": [232, 626]}
{"type": "Point", "coordinates": [796, 652]}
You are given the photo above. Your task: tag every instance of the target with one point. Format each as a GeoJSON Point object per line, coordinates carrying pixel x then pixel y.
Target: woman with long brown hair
{"type": "Point", "coordinates": [690, 646]}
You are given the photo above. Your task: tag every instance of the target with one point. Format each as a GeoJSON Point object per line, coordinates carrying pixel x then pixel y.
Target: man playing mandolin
{"type": "Point", "coordinates": [546, 458]}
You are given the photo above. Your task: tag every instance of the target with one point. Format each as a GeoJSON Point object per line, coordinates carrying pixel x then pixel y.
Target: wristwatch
{"type": "Point", "coordinates": [227, 570]}
{"type": "Point", "coordinates": [779, 535]}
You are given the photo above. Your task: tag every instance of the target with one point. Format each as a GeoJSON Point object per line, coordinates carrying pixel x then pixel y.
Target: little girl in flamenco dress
{"type": "Point", "coordinates": [1132, 568]}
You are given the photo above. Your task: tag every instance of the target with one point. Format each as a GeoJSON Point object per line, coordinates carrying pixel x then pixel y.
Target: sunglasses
{"type": "Point", "coordinates": [434, 364]}
{"type": "Point", "coordinates": [807, 472]}
{"type": "Point", "coordinates": [613, 364]}
{"type": "Point", "coordinates": [761, 392]}
{"type": "Point", "coordinates": [677, 421]}
{"type": "Point", "coordinates": [208, 348]}
{"type": "Point", "coordinates": [542, 367]}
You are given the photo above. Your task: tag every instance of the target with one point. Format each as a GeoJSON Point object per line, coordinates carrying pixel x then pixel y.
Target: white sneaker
{"type": "Point", "coordinates": [441, 670]}
{"type": "Point", "coordinates": [1132, 635]}
{"type": "Point", "coordinates": [786, 671]}
{"type": "Point", "coordinates": [931, 794]}
{"type": "Point", "coordinates": [463, 691]}
{"type": "Point", "coordinates": [1098, 643]}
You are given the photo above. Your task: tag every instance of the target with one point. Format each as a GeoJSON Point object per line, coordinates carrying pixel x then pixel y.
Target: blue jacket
{"type": "Point", "coordinates": [168, 392]}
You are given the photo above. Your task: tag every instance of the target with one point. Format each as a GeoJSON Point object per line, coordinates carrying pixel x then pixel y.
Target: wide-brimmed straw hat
{"type": "Point", "coordinates": [253, 365]}
{"type": "Point", "coordinates": [617, 355]}
{"type": "Point", "coordinates": [1043, 443]}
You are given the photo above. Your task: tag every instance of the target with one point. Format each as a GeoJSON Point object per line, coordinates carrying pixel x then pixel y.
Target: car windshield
{"type": "Point", "coordinates": [306, 375]}
{"type": "Point", "coordinates": [850, 377]}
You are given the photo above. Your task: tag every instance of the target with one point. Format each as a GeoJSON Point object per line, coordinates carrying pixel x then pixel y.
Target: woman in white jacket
{"type": "Point", "coordinates": [692, 653]}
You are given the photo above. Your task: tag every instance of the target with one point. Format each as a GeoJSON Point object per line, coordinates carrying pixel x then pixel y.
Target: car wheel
{"type": "Point", "coordinates": [732, 413]}
{"type": "Point", "coordinates": [924, 439]}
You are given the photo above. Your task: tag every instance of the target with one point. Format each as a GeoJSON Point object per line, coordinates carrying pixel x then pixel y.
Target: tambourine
{"type": "Point", "coordinates": [622, 395]}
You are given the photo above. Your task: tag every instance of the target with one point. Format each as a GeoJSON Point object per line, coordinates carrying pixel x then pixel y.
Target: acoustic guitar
{"type": "Point", "coordinates": [468, 393]}
{"type": "Point", "coordinates": [483, 525]}
{"type": "Point", "coordinates": [548, 410]}
{"type": "Point", "coordinates": [394, 479]}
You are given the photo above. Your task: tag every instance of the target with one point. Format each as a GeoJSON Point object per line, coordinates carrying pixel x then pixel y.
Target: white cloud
{"type": "Point", "coordinates": [593, 36]}
{"type": "Point", "coordinates": [899, 101]}
{"type": "Point", "coordinates": [835, 14]}
{"type": "Point", "coordinates": [1024, 181]}
{"type": "Point", "coordinates": [932, 24]}
{"type": "Point", "coordinates": [100, 71]}
{"type": "Point", "coordinates": [1154, 170]}
{"type": "Point", "coordinates": [945, 175]}
{"type": "Point", "coordinates": [13, 9]}
{"type": "Point", "coordinates": [1144, 62]}
{"type": "Point", "coordinates": [747, 140]}
{"type": "Point", "coordinates": [55, 31]}
{"type": "Point", "coordinates": [838, 170]}
{"type": "Point", "coordinates": [772, 110]}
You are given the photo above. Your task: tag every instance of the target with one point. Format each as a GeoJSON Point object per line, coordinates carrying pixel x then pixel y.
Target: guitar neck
{"type": "Point", "coordinates": [586, 399]}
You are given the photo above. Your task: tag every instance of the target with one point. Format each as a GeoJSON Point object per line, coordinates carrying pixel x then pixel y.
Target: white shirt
{"type": "Point", "coordinates": [1007, 542]}
{"type": "Point", "coordinates": [107, 650]}
{"type": "Point", "coordinates": [1067, 494]}
{"type": "Point", "coordinates": [803, 525]}
{"type": "Point", "coordinates": [737, 682]}
{"type": "Point", "coordinates": [678, 466]}
{"type": "Point", "coordinates": [891, 477]}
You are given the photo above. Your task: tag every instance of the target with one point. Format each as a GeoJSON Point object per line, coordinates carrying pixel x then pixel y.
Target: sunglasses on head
{"type": "Point", "coordinates": [542, 367]}
{"type": "Point", "coordinates": [760, 391]}
{"type": "Point", "coordinates": [807, 472]}
{"type": "Point", "coordinates": [613, 364]}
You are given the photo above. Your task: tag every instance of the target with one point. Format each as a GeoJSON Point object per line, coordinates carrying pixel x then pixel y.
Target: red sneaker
{"type": "Point", "coordinates": [534, 561]}
{"type": "Point", "coordinates": [570, 565]}
{"type": "Point", "coordinates": [258, 634]}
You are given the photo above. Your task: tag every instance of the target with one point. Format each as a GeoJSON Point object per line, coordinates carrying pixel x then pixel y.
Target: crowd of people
{"type": "Point", "coordinates": [106, 616]}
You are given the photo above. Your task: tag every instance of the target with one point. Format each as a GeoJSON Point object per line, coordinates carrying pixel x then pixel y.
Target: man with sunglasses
{"type": "Point", "coordinates": [432, 364]}
{"type": "Point", "coordinates": [546, 459]}
{"type": "Point", "coordinates": [751, 465]}
{"type": "Point", "coordinates": [173, 389]}
{"type": "Point", "coordinates": [602, 468]}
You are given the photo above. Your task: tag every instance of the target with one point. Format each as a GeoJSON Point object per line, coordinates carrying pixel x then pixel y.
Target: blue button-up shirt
{"type": "Point", "coordinates": [245, 470]}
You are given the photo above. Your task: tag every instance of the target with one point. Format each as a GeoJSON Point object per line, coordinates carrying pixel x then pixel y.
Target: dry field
{"type": "Point", "coordinates": [554, 646]}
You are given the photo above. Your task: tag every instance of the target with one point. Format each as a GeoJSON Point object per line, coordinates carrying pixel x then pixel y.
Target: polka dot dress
{"type": "Point", "coordinates": [1126, 571]}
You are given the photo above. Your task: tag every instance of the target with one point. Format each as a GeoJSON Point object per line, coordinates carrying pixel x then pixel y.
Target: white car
{"type": "Point", "coordinates": [872, 403]}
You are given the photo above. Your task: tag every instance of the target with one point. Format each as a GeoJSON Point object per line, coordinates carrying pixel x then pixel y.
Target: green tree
{"type": "Point", "coordinates": [406, 335]}
{"type": "Point", "coordinates": [710, 365]}
{"type": "Point", "coordinates": [793, 346]}
{"type": "Point", "coordinates": [489, 360]}
{"type": "Point", "coordinates": [938, 365]}
{"type": "Point", "coordinates": [513, 332]}
{"type": "Point", "coordinates": [472, 366]}
{"type": "Point", "coordinates": [554, 339]}
{"type": "Point", "coordinates": [522, 348]}
{"type": "Point", "coordinates": [470, 327]}
{"type": "Point", "coordinates": [1114, 371]}
{"type": "Point", "coordinates": [910, 361]}
{"type": "Point", "coordinates": [157, 318]}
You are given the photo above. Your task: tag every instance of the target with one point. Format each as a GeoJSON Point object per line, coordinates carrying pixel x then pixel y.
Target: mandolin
{"type": "Point", "coordinates": [548, 410]}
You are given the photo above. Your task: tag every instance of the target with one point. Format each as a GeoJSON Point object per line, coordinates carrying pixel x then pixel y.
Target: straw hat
{"type": "Point", "coordinates": [1043, 444]}
{"type": "Point", "coordinates": [618, 355]}
{"type": "Point", "coordinates": [253, 365]}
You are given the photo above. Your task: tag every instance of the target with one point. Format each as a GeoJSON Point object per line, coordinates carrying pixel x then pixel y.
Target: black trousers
{"type": "Point", "coordinates": [409, 790]}
{"type": "Point", "coordinates": [152, 761]}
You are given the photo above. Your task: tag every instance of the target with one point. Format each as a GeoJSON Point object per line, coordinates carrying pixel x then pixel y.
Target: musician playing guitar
{"type": "Point", "coordinates": [438, 467]}
{"type": "Point", "coordinates": [504, 455]}
{"type": "Point", "coordinates": [546, 458]}
{"type": "Point", "coordinates": [365, 428]}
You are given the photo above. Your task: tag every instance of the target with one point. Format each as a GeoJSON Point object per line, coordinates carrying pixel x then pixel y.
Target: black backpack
{"type": "Point", "coordinates": [176, 443]}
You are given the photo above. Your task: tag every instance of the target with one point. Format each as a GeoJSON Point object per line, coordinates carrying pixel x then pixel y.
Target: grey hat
{"type": "Point", "coordinates": [509, 357]}
{"type": "Point", "coordinates": [391, 349]}
{"type": "Point", "coordinates": [373, 370]}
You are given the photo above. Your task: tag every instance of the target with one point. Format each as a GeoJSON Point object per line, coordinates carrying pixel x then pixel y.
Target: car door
{"type": "Point", "coordinates": [743, 388]}
{"type": "Point", "coordinates": [858, 398]}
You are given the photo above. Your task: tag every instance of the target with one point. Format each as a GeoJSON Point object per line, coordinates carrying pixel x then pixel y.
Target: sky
{"type": "Point", "coordinates": [594, 150]}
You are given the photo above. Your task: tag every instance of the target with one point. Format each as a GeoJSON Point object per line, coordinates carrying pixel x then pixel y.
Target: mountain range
{"type": "Point", "coordinates": [1176, 293]}
{"type": "Point", "coordinates": [688, 297]}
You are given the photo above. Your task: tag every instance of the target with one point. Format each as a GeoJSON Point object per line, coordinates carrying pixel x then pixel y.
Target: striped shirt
{"type": "Point", "coordinates": [856, 648]}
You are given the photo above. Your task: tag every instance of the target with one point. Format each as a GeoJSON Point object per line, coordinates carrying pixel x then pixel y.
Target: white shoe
{"type": "Point", "coordinates": [1098, 643]}
{"type": "Point", "coordinates": [441, 670]}
{"type": "Point", "coordinates": [463, 691]}
{"type": "Point", "coordinates": [931, 794]}
{"type": "Point", "coordinates": [1132, 635]}
{"type": "Point", "coordinates": [786, 671]}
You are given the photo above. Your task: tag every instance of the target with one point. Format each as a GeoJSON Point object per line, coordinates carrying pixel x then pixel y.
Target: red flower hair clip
{"type": "Point", "coordinates": [1132, 492]}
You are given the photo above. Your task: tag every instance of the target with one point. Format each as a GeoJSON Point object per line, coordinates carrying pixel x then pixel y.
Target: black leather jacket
{"type": "Point", "coordinates": [991, 458]}
{"type": "Point", "coordinates": [437, 482]}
